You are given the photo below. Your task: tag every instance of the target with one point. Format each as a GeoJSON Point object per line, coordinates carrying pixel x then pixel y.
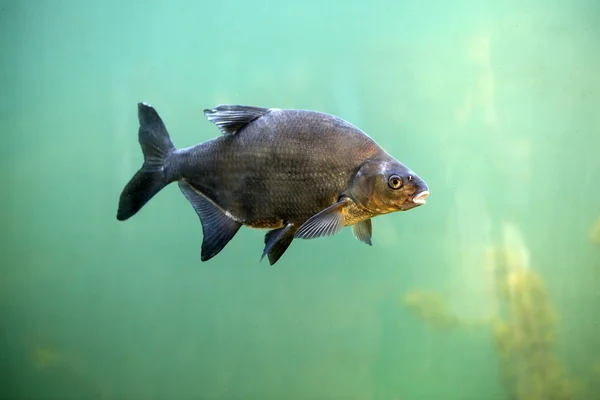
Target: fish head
{"type": "Point", "coordinates": [385, 186]}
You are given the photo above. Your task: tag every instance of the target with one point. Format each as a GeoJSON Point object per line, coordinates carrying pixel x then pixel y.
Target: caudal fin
{"type": "Point", "coordinates": [154, 174]}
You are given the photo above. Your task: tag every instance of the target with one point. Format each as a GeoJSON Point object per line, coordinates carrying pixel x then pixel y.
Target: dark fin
{"type": "Point", "coordinates": [276, 243]}
{"type": "Point", "coordinates": [218, 229]}
{"type": "Point", "coordinates": [362, 231]}
{"type": "Point", "coordinates": [327, 222]}
{"type": "Point", "coordinates": [230, 119]}
{"type": "Point", "coordinates": [151, 178]}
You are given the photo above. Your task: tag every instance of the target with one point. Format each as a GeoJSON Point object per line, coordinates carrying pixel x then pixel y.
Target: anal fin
{"type": "Point", "coordinates": [217, 228]}
{"type": "Point", "coordinates": [277, 241]}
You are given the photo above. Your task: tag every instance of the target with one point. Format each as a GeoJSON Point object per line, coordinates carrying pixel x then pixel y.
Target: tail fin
{"type": "Point", "coordinates": [153, 176]}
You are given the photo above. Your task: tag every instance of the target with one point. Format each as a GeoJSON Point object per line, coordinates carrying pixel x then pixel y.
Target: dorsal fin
{"type": "Point", "coordinates": [231, 118]}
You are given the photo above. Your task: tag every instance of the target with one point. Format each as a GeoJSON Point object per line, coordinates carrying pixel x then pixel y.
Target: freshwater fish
{"type": "Point", "coordinates": [301, 174]}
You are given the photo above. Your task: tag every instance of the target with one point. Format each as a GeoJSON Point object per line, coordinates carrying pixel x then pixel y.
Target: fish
{"type": "Point", "coordinates": [300, 174]}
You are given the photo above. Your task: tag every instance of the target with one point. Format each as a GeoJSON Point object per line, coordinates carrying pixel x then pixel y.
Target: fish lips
{"type": "Point", "coordinates": [417, 199]}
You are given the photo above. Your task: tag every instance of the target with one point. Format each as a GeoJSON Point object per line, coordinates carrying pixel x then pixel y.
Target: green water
{"type": "Point", "coordinates": [494, 106]}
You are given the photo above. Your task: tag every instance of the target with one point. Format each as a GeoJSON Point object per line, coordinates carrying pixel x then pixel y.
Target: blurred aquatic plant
{"type": "Point", "coordinates": [595, 233]}
{"type": "Point", "coordinates": [47, 358]}
{"type": "Point", "coordinates": [469, 236]}
{"type": "Point", "coordinates": [524, 332]}
{"type": "Point", "coordinates": [44, 357]}
{"type": "Point", "coordinates": [431, 308]}
{"type": "Point", "coordinates": [525, 340]}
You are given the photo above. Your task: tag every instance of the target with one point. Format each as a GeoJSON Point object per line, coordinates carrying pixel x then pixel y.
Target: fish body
{"type": "Point", "coordinates": [280, 167]}
{"type": "Point", "coordinates": [300, 173]}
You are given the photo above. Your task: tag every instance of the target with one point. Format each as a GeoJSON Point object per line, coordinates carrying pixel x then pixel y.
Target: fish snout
{"type": "Point", "coordinates": [421, 192]}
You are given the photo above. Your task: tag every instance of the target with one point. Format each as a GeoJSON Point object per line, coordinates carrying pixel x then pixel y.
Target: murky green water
{"type": "Point", "coordinates": [495, 106]}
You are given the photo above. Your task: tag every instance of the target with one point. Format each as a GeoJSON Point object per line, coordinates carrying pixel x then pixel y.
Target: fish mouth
{"type": "Point", "coordinates": [420, 197]}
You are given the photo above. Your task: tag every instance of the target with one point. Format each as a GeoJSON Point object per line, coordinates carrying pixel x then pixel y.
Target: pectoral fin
{"type": "Point", "coordinates": [363, 231]}
{"type": "Point", "coordinates": [277, 241]}
{"type": "Point", "coordinates": [327, 222]}
{"type": "Point", "coordinates": [217, 228]}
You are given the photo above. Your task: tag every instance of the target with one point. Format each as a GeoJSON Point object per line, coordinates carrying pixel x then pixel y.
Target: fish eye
{"type": "Point", "coordinates": [395, 182]}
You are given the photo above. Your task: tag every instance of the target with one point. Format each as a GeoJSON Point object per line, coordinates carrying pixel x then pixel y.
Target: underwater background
{"type": "Point", "coordinates": [489, 291]}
